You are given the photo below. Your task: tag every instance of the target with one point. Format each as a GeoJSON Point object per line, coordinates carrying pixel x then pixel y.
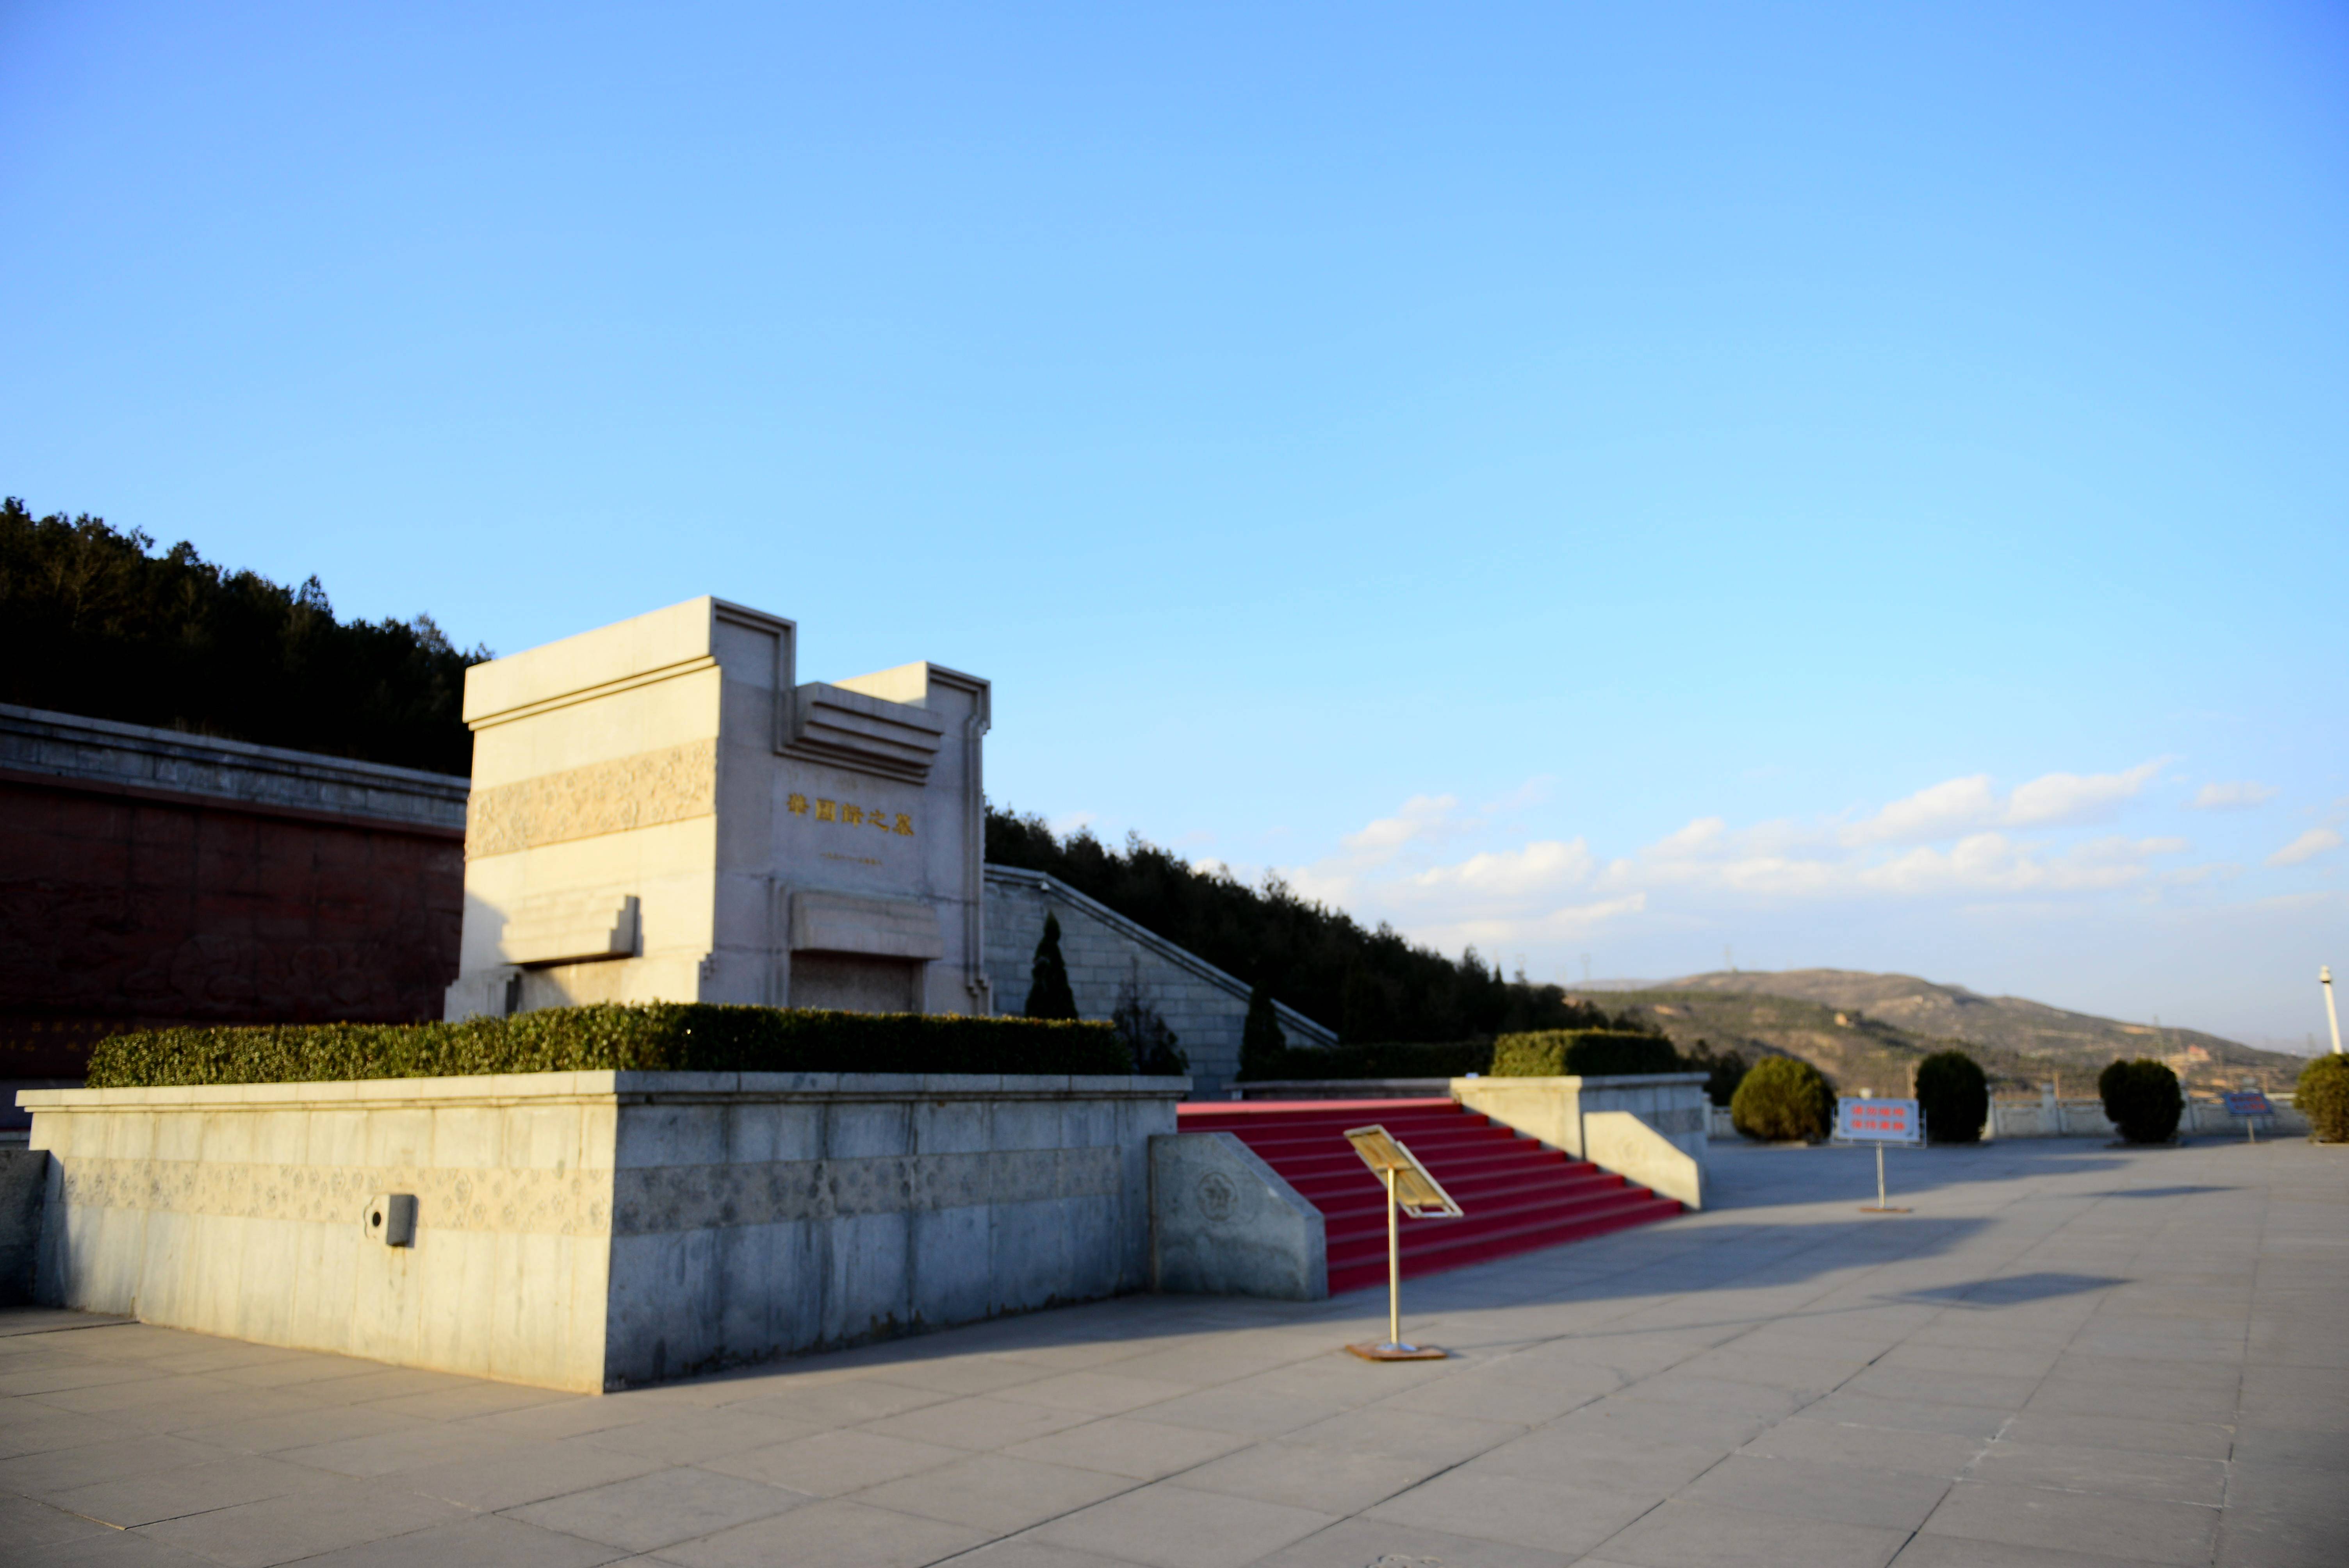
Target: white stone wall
{"type": "Point", "coordinates": [2048, 1117]}
{"type": "Point", "coordinates": [591, 1230]}
{"type": "Point", "coordinates": [1204, 1005]}
{"type": "Point", "coordinates": [661, 810]}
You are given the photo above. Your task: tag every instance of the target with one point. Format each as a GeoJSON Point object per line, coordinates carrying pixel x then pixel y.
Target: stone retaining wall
{"type": "Point", "coordinates": [591, 1230]}
{"type": "Point", "coordinates": [1204, 1005]}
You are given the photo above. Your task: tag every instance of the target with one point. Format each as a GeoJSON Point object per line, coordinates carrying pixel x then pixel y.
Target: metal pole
{"type": "Point", "coordinates": [2324, 978]}
{"type": "Point", "coordinates": [1879, 1175]}
{"type": "Point", "coordinates": [1394, 1269]}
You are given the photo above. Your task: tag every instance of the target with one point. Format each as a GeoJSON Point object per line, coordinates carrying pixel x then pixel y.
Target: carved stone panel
{"type": "Point", "coordinates": [671, 785]}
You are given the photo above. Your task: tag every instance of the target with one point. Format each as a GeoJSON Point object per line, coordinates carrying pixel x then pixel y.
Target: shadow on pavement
{"type": "Point", "coordinates": [2008, 1290]}
{"type": "Point", "coordinates": [1749, 1175]}
{"type": "Point", "coordinates": [2163, 1191]}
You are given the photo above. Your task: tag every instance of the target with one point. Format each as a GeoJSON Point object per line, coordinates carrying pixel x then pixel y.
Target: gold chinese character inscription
{"type": "Point", "coordinates": [900, 823]}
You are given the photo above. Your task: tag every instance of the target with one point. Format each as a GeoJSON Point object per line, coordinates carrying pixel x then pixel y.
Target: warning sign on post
{"type": "Point", "coordinates": [1879, 1121]}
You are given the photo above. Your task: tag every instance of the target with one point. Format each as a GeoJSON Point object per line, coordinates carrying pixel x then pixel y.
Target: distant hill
{"type": "Point", "coordinates": [1866, 1030]}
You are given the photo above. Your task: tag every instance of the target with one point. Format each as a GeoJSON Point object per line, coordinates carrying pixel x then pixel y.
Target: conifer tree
{"type": "Point", "coordinates": [1156, 1049]}
{"type": "Point", "coordinates": [1049, 995]}
{"type": "Point", "coordinates": [1262, 1044]}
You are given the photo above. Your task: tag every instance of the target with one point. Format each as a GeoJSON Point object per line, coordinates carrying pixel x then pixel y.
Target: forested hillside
{"type": "Point", "coordinates": [94, 622]}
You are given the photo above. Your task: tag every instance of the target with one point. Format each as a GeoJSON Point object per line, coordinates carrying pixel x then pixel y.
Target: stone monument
{"type": "Point", "coordinates": [660, 811]}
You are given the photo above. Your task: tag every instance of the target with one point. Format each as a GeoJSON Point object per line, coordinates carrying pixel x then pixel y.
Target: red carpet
{"type": "Point", "coordinates": [1517, 1196]}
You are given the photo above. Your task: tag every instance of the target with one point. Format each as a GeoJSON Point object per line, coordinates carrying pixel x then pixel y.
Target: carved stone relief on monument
{"type": "Point", "coordinates": [672, 785]}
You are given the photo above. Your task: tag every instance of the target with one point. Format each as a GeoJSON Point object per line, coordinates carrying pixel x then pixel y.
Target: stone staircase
{"type": "Point", "coordinates": [1516, 1193]}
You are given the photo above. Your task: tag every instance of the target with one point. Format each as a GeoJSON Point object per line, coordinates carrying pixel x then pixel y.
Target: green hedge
{"type": "Point", "coordinates": [1582, 1053]}
{"type": "Point", "coordinates": [1445, 1059]}
{"type": "Point", "coordinates": [655, 1036]}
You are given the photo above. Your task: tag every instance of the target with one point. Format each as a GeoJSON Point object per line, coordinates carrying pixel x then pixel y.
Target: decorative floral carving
{"type": "Point", "coordinates": [641, 1200]}
{"type": "Point", "coordinates": [672, 785]}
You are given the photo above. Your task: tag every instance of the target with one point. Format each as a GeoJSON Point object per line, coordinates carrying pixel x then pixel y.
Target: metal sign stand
{"type": "Point", "coordinates": [1879, 1121]}
{"type": "Point", "coordinates": [2250, 1105]}
{"type": "Point", "coordinates": [1880, 1208]}
{"type": "Point", "coordinates": [1409, 1186]}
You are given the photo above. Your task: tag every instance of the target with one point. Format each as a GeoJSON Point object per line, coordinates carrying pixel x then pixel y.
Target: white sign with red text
{"type": "Point", "coordinates": [1879, 1121]}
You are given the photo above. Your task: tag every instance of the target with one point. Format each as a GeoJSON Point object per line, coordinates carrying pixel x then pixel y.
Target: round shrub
{"type": "Point", "coordinates": [2142, 1098]}
{"type": "Point", "coordinates": [2323, 1097]}
{"type": "Point", "coordinates": [1783, 1098]}
{"type": "Point", "coordinates": [1954, 1096]}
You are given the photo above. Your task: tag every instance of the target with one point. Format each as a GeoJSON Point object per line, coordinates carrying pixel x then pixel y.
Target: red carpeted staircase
{"type": "Point", "coordinates": [1515, 1193]}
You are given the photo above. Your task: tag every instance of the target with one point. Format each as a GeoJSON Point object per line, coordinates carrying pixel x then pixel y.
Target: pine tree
{"type": "Point", "coordinates": [1048, 995]}
{"type": "Point", "coordinates": [1157, 1049]}
{"type": "Point", "coordinates": [1262, 1044]}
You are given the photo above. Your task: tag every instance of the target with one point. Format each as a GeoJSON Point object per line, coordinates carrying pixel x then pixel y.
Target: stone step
{"type": "Point", "coordinates": [1515, 1193]}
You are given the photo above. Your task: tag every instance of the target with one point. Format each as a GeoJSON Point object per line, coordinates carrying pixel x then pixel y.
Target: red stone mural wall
{"type": "Point", "coordinates": [120, 909]}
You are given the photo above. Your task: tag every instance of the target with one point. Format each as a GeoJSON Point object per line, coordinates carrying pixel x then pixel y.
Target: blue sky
{"type": "Point", "coordinates": [1840, 483]}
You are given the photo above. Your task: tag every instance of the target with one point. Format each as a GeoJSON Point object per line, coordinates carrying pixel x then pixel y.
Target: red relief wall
{"type": "Point", "coordinates": [117, 912]}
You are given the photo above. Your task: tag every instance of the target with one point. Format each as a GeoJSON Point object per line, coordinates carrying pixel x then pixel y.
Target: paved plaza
{"type": "Point", "coordinates": [2066, 1354]}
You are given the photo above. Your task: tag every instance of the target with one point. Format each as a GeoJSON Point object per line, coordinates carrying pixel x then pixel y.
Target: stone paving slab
{"type": "Point", "coordinates": [2067, 1355]}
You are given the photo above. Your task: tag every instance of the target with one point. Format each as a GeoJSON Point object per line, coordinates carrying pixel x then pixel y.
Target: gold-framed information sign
{"type": "Point", "coordinates": [1410, 1190]}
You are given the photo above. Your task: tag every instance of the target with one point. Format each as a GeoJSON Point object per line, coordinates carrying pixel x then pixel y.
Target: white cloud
{"type": "Point", "coordinates": [1531, 870]}
{"type": "Point", "coordinates": [1433, 869]}
{"type": "Point", "coordinates": [1941, 811]}
{"type": "Point", "coordinates": [1423, 816]}
{"type": "Point", "coordinates": [2057, 798]}
{"type": "Point", "coordinates": [2239, 796]}
{"type": "Point", "coordinates": [1961, 806]}
{"type": "Point", "coordinates": [2306, 848]}
{"type": "Point", "coordinates": [1567, 922]}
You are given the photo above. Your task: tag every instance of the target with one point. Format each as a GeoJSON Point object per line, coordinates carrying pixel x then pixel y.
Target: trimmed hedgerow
{"type": "Point", "coordinates": [1954, 1096]}
{"type": "Point", "coordinates": [1409, 1059]}
{"type": "Point", "coordinates": [1583, 1053]}
{"type": "Point", "coordinates": [1782, 1100]}
{"type": "Point", "coordinates": [653, 1037]}
{"type": "Point", "coordinates": [2323, 1097]}
{"type": "Point", "coordinates": [2142, 1098]}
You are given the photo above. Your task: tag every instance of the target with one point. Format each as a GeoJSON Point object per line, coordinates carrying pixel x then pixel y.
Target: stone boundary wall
{"type": "Point", "coordinates": [1204, 1005]}
{"type": "Point", "coordinates": [2048, 1117]}
{"type": "Point", "coordinates": [133, 757]}
{"type": "Point", "coordinates": [591, 1230]}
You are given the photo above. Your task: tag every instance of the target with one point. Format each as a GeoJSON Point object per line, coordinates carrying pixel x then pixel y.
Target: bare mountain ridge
{"type": "Point", "coordinates": [1868, 1030]}
{"type": "Point", "coordinates": [2001, 1023]}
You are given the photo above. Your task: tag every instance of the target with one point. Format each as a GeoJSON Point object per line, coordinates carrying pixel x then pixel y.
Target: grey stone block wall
{"type": "Point", "coordinates": [592, 1231]}
{"type": "Point", "coordinates": [1204, 1005]}
{"type": "Point", "coordinates": [23, 1180]}
{"type": "Point", "coordinates": [1224, 1222]}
